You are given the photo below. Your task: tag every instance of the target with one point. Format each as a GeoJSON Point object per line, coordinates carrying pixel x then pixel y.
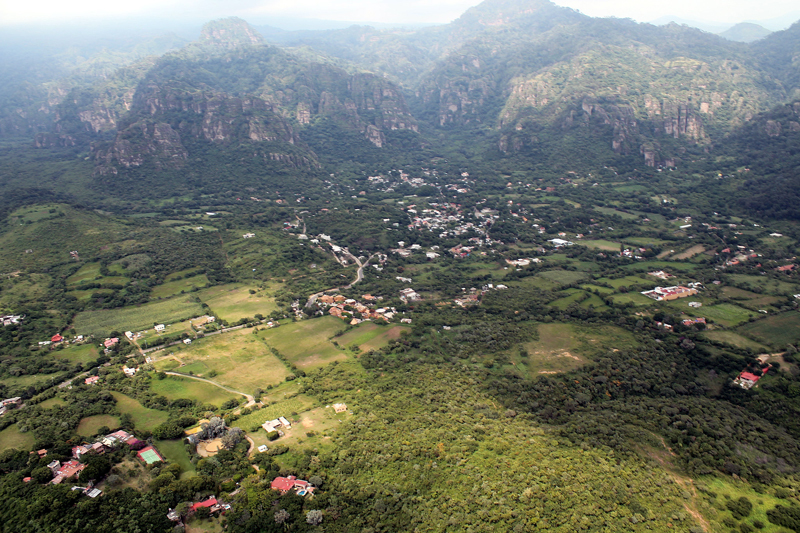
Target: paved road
{"type": "Point", "coordinates": [250, 400]}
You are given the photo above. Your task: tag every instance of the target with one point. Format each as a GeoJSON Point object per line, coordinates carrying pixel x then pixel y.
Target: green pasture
{"type": "Point", "coordinates": [562, 277]}
{"type": "Point", "coordinates": [136, 318]}
{"type": "Point", "coordinates": [371, 336]}
{"type": "Point", "coordinates": [306, 343]}
{"type": "Point", "coordinates": [175, 451]}
{"type": "Point", "coordinates": [12, 438]}
{"type": "Point", "coordinates": [78, 353]}
{"type": "Point", "coordinates": [240, 360]}
{"type": "Point", "coordinates": [174, 387]}
{"type": "Point", "coordinates": [90, 425]}
{"type": "Point", "coordinates": [734, 339]}
{"type": "Point", "coordinates": [171, 288]}
{"type": "Point", "coordinates": [233, 301]}
{"type": "Point", "coordinates": [144, 419]}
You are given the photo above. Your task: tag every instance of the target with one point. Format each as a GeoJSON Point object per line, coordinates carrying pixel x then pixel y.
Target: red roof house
{"type": "Point", "coordinates": [283, 484]}
{"type": "Point", "coordinates": [748, 376]}
{"type": "Point", "coordinates": [211, 502]}
{"type": "Point", "coordinates": [56, 338]}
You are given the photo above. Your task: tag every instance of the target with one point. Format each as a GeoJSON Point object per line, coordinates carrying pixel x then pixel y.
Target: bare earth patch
{"type": "Point", "coordinates": [209, 448]}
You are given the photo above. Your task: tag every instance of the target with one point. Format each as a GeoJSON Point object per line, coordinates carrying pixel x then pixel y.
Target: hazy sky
{"type": "Point", "coordinates": [13, 12]}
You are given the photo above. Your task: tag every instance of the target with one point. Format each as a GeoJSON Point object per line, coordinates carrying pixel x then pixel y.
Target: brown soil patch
{"type": "Point", "coordinates": [209, 448]}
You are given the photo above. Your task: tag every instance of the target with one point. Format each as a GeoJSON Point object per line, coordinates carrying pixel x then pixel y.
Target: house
{"type": "Point", "coordinates": [670, 293]}
{"type": "Point", "coordinates": [78, 451]}
{"type": "Point", "coordinates": [121, 436]}
{"type": "Point", "coordinates": [56, 338]}
{"type": "Point", "coordinates": [91, 380]}
{"type": "Point", "coordinates": [67, 470]}
{"type": "Point", "coordinates": [130, 372]}
{"type": "Point", "coordinates": [263, 448]}
{"type": "Point", "coordinates": [340, 407]}
{"type": "Point", "coordinates": [187, 341]}
{"type": "Point", "coordinates": [160, 328]}
{"type": "Point", "coordinates": [10, 320]}
{"type": "Point", "coordinates": [285, 484]}
{"type": "Point", "coordinates": [209, 503]}
{"type": "Point", "coordinates": [248, 235]}
{"type": "Point", "coordinates": [558, 243]}
{"type": "Point", "coordinates": [11, 402]}
{"type": "Point", "coordinates": [108, 343]}
{"type": "Point", "coordinates": [786, 268]}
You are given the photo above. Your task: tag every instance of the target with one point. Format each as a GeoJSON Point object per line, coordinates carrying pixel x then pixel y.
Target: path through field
{"type": "Point", "coordinates": [251, 401]}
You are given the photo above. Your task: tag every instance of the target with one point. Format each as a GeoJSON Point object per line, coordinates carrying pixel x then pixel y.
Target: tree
{"type": "Point", "coordinates": [314, 517]}
{"type": "Point", "coordinates": [282, 516]}
{"type": "Point", "coordinates": [316, 481]}
{"type": "Point", "coordinates": [233, 437]}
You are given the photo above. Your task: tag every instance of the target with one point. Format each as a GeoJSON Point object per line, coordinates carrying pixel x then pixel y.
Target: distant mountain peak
{"type": "Point", "coordinates": [501, 12]}
{"type": "Point", "coordinates": [745, 32]}
{"type": "Point", "coordinates": [230, 32]}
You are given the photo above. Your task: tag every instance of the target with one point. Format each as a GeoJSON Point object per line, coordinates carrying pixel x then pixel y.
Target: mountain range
{"type": "Point", "coordinates": [524, 79]}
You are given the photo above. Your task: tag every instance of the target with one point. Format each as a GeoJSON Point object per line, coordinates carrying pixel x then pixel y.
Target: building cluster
{"type": "Point", "coordinates": [670, 293]}
{"type": "Point", "coordinates": [747, 380]}
{"type": "Point", "coordinates": [277, 424]}
{"type": "Point", "coordinates": [11, 320]}
{"type": "Point", "coordinates": [9, 403]}
{"type": "Point", "coordinates": [473, 295]}
{"type": "Point", "coordinates": [354, 311]}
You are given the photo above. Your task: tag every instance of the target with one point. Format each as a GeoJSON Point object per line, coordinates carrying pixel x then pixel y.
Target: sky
{"type": "Point", "coordinates": [19, 12]}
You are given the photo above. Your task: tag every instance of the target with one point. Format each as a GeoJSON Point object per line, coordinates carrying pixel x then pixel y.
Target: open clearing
{"type": "Point", "coordinates": [90, 425]}
{"type": "Point", "coordinates": [52, 402]}
{"type": "Point", "coordinates": [727, 490]}
{"type": "Point", "coordinates": [82, 353]}
{"type": "Point", "coordinates": [174, 387]}
{"type": "Point", "coordinates": [12, 438]}
{"type": "Point", "coordinates": [233, 301]}
{"type": "Point", "coordinates": [318, 422]}
{"type": "Point", "coordinates": [776, 331]}
{"type": "Point", "coordinates": [562, 277]}
{"type": "Point", "coordinates": [175, 451]}
{"type": "Point", "coordinates": [136, 318]}
{"type": "Point", "coordinates": [143, 418]}
{"type": "Point", "coordinates": [728, 315]}
{"type": "Point", "coordinates": [239, 359]}
{"type": "Point", "coordinates": [171, 288]}
{"type": "Point", "coordinates": [370, 336]}
{"type": "Point", "coordinates": [564, 347]}
{"type": "Point", "coordinates": [600, 244]}
{"type": "Point", "coordinates": [306, 344]}
{"type": "Point", "coordinates": [690, 252]}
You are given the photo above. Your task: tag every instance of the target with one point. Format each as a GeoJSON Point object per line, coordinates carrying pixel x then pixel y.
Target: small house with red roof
{"type": "Point", "coordinates": [56, 338]}
{"type": "Point", "coordinates": [91, 380]}
{"type": "Point", "coordinates": [209, 503]}
{"type": "Point", "coordinates": [285, 484]}
{"type": "Point", "coordinates": [747, 380]}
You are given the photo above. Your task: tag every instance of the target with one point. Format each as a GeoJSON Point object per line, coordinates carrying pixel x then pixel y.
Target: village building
{"type": "Point", "coordinates": [285, 484]}
{"type": "Point", "coordinates": [160, 328]}
{"type": "Point", "coordinates": [11, 320]}
{"type": "Point", "coordinates": [340, 407]}
{"type": "Point", "coordinates": [670, 293]}
{"type": "Point", "coordinates": [92, 380]}
{"type": "Point", "coordinates": [66, 471]}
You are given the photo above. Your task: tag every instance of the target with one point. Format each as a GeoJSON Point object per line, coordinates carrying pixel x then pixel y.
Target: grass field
{"type": "Point", "coordinates": [734, 293]}
{"type": "Point", "coordinates": [52, 402]}
{"type": "Point", "coordinates": [12, 438]}
{"type": "Point", "coordinates": [769, 285]}
{"type": "Point", "coordinates": [598, 288]}
{"type": "Point", "coordinates": [306, 343]}
{"type": "Point", "coordinates": [80, 353]}
{"type": "Point", "coordinates": [734, 339]}
{"type": "Point", "coordinates": [240, 359]}
{"type": "Point", "coordinates": [87, 294]}
{"type": "Point", "coordinates": [233, 301]}
{"type": "Point", "coordinates": [171, 288]}
{"type": "Point", "coordinates": [614, 212]}
{"type": "Point", "coordinates": [608, 246]}
{"type": "Point", "coordinates": [145, 419]}
{"type": "Point", "coordinates": [321, 421]}
{"type": "Point", "coordinates": [90, 273]}
{"type": "Point", "coordinates": [90, 425]}
{"type": "Point", "coordinates": [371, 336]}
{"type": "Point", "coordinates": [776, 331]}
{"type": "Point", "coordinates": [627, 281]}
{"type": "Point", "coordinates": [728, 315]}
{"type": "Point", "coordinates": [173, 388]}
{"type": "Point", "coordinates": [136, 318]}
{"type": "Point", "coordinates": [565, 347]}
{"type": "Point", "coordinates": [571, 296]}
{"type": "Point", "coordinates": [297, 404]}
{"type": "Point", "coordinates": [22, 289]}
{"type": "Point", "coordinates": [633, 298]}
{"type": "Point", "coordinates": [175, 451]}
{"type": "Point", "coordinates": [562, 277]}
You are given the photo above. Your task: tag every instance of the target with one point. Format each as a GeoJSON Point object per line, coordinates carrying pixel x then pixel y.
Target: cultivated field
{"type": "Point", "coordinates": [734, 339]}
{"type": "Point", "coordinates": [101, 323]}
{"type": "Point", "coordinates": [776, 331]}
{"type": "Point", "coordinates": [90, 425]}
{"type": "Point", "coordinates": [145, 419]}
{"type": "Point", "coordinates": [370, 336]}
{"type": "Point", "coordinates": [562, 277]}
{"type": "Point", "coordinates": [173, 388]}
{"type": "Point", "coordinates": [240, 360]}
{"type": "Point", "coordinates": [233, 301]}
{"type": "Point", "coordinates": [81, 353]}
{"type": "Point", "coordinates": [690, 252]}
{"type": "Point", "coordinates": [306, 344]}
{"type": "Point", "coordinates": [728, 315]}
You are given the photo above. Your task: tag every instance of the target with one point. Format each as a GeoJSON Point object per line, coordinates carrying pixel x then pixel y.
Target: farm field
{"type": "Point", "coordinates": [143, 418]}
{"type": "Point", "coordinates": [600, 244]}
{"type": "Point", "coordinates": [734, 339]}
{"type": "Point", "coordinates": [689, 252]}
{"type": "Point", "coordinates": [306, 344]}
{"type": "Point", "coordinates": [90, 273]}
{"type": "Point", "coordinates": [776, 331]}
{"type": "Point", "coordinates": [150, 337]}
{"type": "Point", "coordinates": [728, 315]}
{"type": "Point", "coordinates": [370, 336]}
{"type": "Point", "coordinates": [633, 298]}
{"type": "Point", "coordinates": [602, 290]}
{"type": "Point", "coordinates": [90, 425]}
{"type": "Point", "coordinates": [239, 359]}
{"type": "Point", "coordinates": [627, 281]}
{"type": "Point", "coordinates": [572, 296]}
{"type": "Point", "coordinates": [318, 422]}
{"type": "Point", "coordinates": [298, 403]}
{"type": "Point", "coordinates": [12, 438]}
{"type": "Point", "coordinates": [101, 323]}
{"type": "Point", "coordinates": [768, 285]}
{"type": "Point", "coordinates": [174, 387]}
{"type": "Point", "coordinates": [621, 214]}
{"type": "Point", "coordinates": [171, 288]}
{"type": "Point", "coordinates": [233, 301]}
{"type": "Point", "coordinates": [52, 402]}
